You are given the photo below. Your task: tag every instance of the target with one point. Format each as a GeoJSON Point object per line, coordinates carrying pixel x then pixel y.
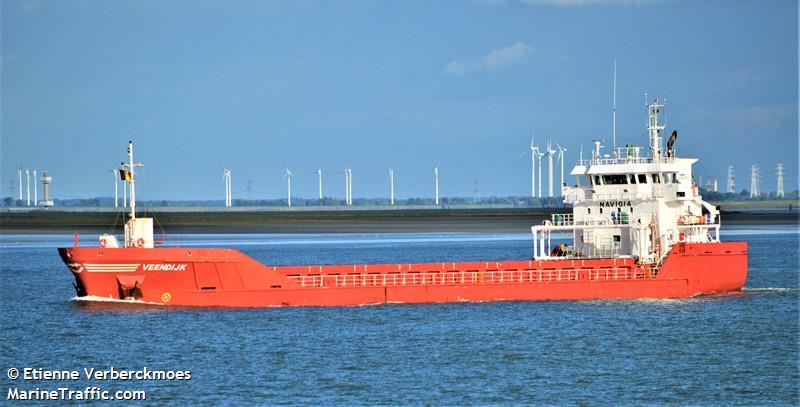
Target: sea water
{"type": "Point", "coordinates": [730, 349]}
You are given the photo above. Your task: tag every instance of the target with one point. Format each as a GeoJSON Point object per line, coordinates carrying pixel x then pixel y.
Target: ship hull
{"type": "Point", "coordinates": [228, 278]}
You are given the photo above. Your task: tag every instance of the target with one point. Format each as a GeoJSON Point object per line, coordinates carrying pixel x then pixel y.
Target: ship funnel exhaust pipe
{"type": "Point", "coordinates": [671, 144]}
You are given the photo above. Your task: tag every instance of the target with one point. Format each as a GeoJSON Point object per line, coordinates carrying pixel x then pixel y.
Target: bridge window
{"type": "Point", "coordinates": [596, 180]}
{"type": "Point", "coordinates": [656, 178]}
{"type": "Point", "coordinates": [642, 178]}
{"type": "Point", "coordinates": [631, 179]}
{"type": "Point", "coordinates": [615, 179]}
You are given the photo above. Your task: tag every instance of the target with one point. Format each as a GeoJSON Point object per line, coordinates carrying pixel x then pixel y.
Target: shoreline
{"type": "Point", "coordinates": [515, 220]}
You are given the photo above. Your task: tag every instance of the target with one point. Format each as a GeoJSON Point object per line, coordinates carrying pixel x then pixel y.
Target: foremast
{"type": "Point", "coordinates": [138, 231]}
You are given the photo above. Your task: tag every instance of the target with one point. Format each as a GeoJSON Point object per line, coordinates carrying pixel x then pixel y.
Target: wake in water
{"type": "Point", "coordinates": [95, 299]}
{"type": "Point", "coordinates": [768, 289]}
{"type": "Point", "coordinates": [762, 231]}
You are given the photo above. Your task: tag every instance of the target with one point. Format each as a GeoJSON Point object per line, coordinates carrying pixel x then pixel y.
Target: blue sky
{"type": "Point", "coordinates": [259, 86]}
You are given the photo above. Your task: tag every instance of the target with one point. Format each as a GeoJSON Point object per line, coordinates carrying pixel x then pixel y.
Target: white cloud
{"type": "Point", "coordinates": [737, 79]}
{"type": "Point", "coordinates": [504, 56]}
{"type": "Point", "coordinates": [455, 68]}
{"type": "Point", "coordinates": [489, 62]}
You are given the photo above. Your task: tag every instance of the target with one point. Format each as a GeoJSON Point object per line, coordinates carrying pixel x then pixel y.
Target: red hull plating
{"type": "Point", "coordinates": [228, 278]}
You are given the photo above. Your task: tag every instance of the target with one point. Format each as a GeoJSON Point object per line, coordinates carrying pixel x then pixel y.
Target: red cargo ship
{"type": "Point", "coordinates": [639, 227]}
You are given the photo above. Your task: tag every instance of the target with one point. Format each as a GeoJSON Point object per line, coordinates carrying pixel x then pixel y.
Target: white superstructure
{"type": "Point", "coordinates": [627, 204]}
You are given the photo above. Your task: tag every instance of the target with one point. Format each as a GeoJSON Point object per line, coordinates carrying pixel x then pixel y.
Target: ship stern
{"type": "Point", "coordinates": [707, 268]}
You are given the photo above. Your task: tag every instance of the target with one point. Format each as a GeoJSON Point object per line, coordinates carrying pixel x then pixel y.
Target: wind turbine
{"type": "Point", "coordinates": [319, 180]}
{"type": "Point", "coordinates": [540, 155]}
{"type": "Point", "coordinates": [534, 150]}
{"type": "Point", "coordinates": [550, 153]}
{"type": "Point", "coordinates": [35, 190]}
{"type": "Point", "coordinates": [436, 175]}
{"type": "Point", "coordinates": [28, 186]}
{"type": "Point", "coordinates": [226, 175]}
{"type": "Point", "coordinates": [19, 184]}
{"type": "Point", "coordinates": [288, 177]}
{"type": "Point", "coordinates": [346, 187]}
{"type": "Point", "coordinates": [349, 186]}
{"type": "Point", "coordinates": [230, 187]}
{"type": "Point", "coordinates": [561, 152]}
{"type": "Point", "coordinates": [115, 174]}
{"type": "Point", "coordinates": [391, 186]}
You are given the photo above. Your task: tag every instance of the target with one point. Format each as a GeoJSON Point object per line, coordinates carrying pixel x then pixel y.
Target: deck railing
{"type": "Point", "coordinates": [574, 195]}
{"type": "Point", "coordinates": [625, 158]}
{"type": "Point", "coordinates": [562, 219]}
{"type": "Point", "coordinates": [466, 277]}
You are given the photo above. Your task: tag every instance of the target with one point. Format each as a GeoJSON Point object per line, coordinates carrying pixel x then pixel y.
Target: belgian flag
{"type": "Point", "coordinates": [125, 175]}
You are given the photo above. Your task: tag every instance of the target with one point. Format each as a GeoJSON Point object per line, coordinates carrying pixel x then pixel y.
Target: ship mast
{"type": "Point", "coordinates": [133, 182]}
{"type": "Point", "coordinates": [130, 166]}
{"type": "Point", "coordinates": [655, 129]}
{"type": "Point", "coordinates": [614, 112]}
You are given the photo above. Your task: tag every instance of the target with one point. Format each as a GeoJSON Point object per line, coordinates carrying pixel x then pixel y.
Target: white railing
{"type": "Point", "coordinates": [562, 219]}
{"type": "Point", "coordinates": [700, 232]}
{"type": "Point", "coordinates": [575, 195]}
{"type": "Point", "coordinates": [625, 160]}
{"type": "Point", "coordinates": [589, 247]}
{"type": "Point", "coordinates": [464, 277]}
{"type": "Point", "coordinates": [641, 193]}
{"type": "Point", "coordinates": [619, 274]}
{"type": "Point", "coordinates": [689, 220]}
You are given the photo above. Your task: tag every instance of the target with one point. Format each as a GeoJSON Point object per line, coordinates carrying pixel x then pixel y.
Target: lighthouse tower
{"type": "Point", "coordinates": [46, 181]}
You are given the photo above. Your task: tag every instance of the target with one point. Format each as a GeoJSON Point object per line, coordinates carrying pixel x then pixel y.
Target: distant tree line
{"type": "Point", "coordinates": [507, 201]}
{"type": "Point", "coordinates": [744, 195]}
